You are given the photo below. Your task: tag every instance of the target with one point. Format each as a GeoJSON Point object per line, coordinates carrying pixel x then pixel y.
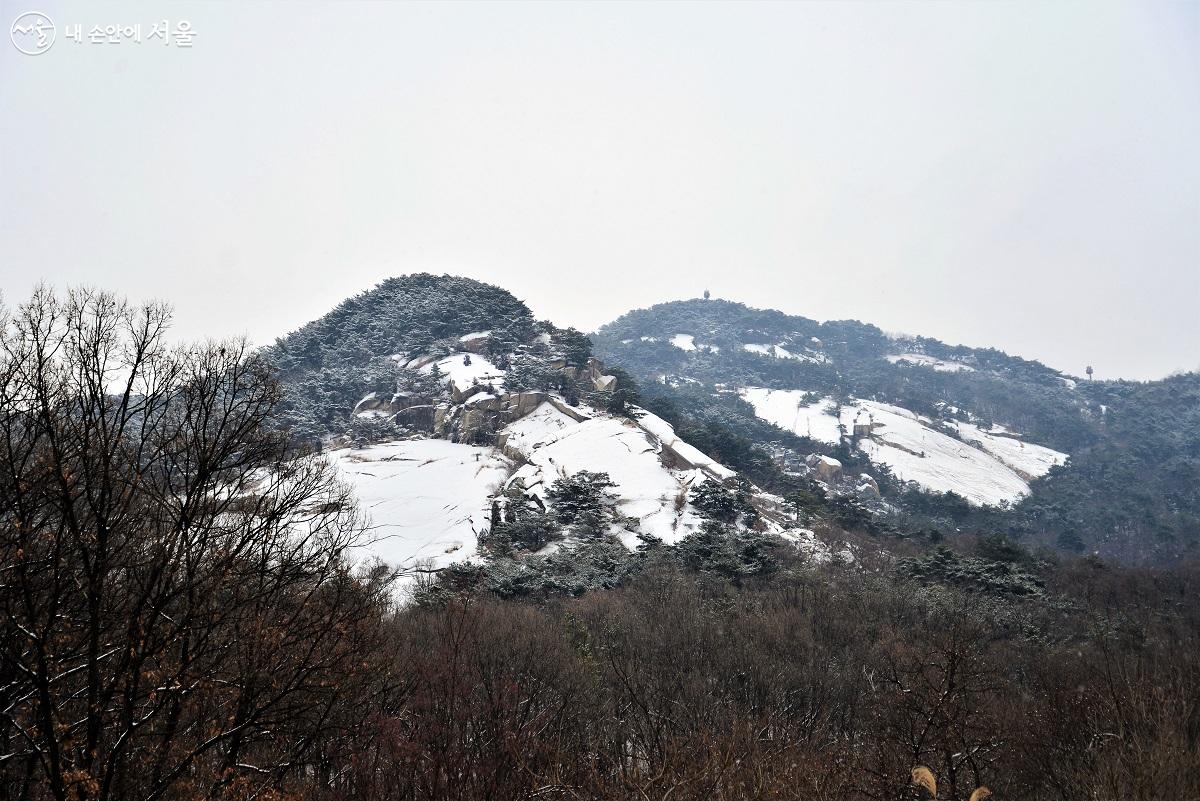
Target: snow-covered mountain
{"type": "Point", "coordinates": [471, 433]}
{"type": "Point", "coordinates": [474, 433]}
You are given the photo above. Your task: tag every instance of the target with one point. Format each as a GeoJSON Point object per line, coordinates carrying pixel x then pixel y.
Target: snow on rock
{"type": "Point", "coordinates": [541, 425]}
{"type": "Point", "coordinates": [464, 370]}
{"type": "Point", "coordinates": [780, 352]}
{"type": "Point", "coordinates": [921, 360]}
{"type": "Point", "coordinates": [783, 353]}
{"type": "Point", "coordinates": [1029, 460]}
{"type": "Point", "coordinates": [904, 442]}
{"type": "Point", "coordinates": [665, 433]}
{"type": "Point", "coordinates": [986, 469]}
{"type": "Point", "coordinates": [556, 446]}
{"type": "Point", "coordinates": [424, 499]}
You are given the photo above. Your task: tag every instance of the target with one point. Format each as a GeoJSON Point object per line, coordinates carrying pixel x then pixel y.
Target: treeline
{"type": "Point", "coordinates": [812, 685]}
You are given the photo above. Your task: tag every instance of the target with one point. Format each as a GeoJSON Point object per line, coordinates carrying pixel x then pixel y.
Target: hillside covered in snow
{"type": "Point", "coordinates": [1050, 458]}
{"type": "Point", "coordinates": [479, 439]}
{"type": "Point", "coordinates": [476, 435]}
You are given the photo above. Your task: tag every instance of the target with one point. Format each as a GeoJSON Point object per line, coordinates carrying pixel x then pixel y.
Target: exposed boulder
{"type": "Point", "coordinates": [519, 404]}
{"type": "Point", "coordinates": [475, 343]}
{"type": "Point", "coordinates": [605, 383]}
{"type": "Point", "coordinates": [866, 487]}
{"type": "Point", "coordinates": [485, 401]}
{"type": "Point", "coordinates": [826, 468]}
{"type": "Point", "coordinates": [398, 402]}
{"type": "Point", "coordinates": [370, 403]}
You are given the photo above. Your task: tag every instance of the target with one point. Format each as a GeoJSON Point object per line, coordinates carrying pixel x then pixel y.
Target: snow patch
{"type": "Point", "coordinates": [921, 360]}
{"type": "Point", "coordinates": [1031, 461]}
{"type": "Point", "coordinates": [684, 341]}
{"type": "Point", "coordinates": [780, 352]}
{"type": "Point", "coordinates": [795, 411]}
{"type": "Point", "coordinates": [464, 370]}
{"type": "Point", "coordinates": [541, 425]}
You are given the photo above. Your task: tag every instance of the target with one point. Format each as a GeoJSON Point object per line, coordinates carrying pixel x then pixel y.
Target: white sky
{"type": "Point", "coordinates": [1017, 175]}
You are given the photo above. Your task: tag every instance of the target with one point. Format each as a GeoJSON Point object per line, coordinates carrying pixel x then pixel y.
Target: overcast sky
{"type": "Point", "coordinates": [1017, 175]}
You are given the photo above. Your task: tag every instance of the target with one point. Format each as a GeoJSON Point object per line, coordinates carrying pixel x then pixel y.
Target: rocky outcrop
{"type": "Point", "coordinates": [866, 487]}
{"type": "Point", "coordinates": [390, 406]}
{"type": "Point", "coordinates": [418, 418]}
{"type": "Point", "coordinates": [826, 468]}
{"type": "Point", "coordinates": [477, 412]}
{"type": "Point", "coordinates": [478, 418]}
{"type": "Point", "coordinates": [475, 343]}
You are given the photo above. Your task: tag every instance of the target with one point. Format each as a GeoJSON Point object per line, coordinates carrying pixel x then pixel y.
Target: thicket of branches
{"type": "Point", "coordinates": [175, 615]}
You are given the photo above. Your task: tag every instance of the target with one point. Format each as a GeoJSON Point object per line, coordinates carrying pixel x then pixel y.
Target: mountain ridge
{"type": "Point", "coordinates": [860, 429]}
{"type": "Point", "coordinates": [692, 352]}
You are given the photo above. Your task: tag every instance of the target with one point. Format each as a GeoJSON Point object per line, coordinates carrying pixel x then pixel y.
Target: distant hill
{"type": "Point", "coordinates": [992, 428]}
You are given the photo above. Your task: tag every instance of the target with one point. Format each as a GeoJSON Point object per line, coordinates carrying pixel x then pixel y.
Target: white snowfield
{"type": "Point", "coordinates": [983, 467]}
{"type": "Point", "coordinates": [921, 360]}
{"type": "Point", "coordinates": [427, 500]}
{"type": "Point", "coordinates": [424, 499]}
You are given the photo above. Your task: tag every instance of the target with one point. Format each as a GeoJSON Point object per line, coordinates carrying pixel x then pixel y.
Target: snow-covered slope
{"type": "Point", "coordinates": [649, 491]}
{"type": "Point", "coordinates": [985, 468]}
{"type": "Point", "coordinates": [921, 360]}
{"type": "Point", "coordinates": [804, 413]}
{"type": "Point", "coordinates": [651, 466]}
{"type": "Point", "coordinates": [1027, 459]}
{"type": "Point", "coordinates": [425, 499]}
{"type": "Point", "coordinates": [428, 500]}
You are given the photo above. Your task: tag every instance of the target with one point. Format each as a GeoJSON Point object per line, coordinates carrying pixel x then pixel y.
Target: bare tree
{"type": "Point", "coordinates": [175, 608]}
